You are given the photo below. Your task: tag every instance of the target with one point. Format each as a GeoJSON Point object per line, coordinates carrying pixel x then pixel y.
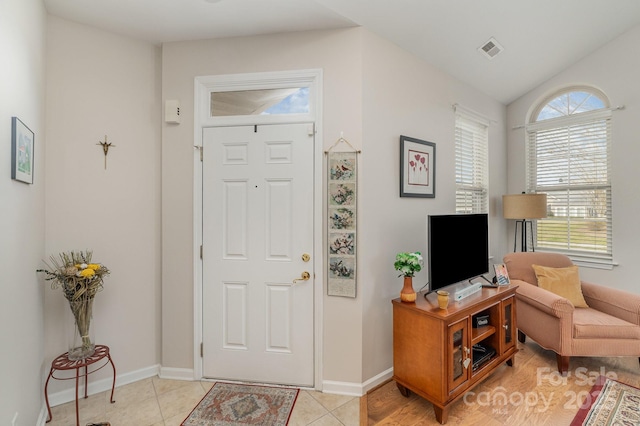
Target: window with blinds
{"type": "Point", "coordinates": [568, 158]}
{"type": "Point", "coordinates": [472, 181]}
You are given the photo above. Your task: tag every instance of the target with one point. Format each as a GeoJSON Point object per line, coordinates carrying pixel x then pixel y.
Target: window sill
{"type": "Point", "coordinates": [586, 261]}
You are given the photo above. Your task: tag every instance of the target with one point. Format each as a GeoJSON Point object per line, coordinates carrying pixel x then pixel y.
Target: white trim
{"type": "Point", "coordinates": [197, 232]}
{"type": "Point", "coordinates": [585, 260]}
{"type": "Point", "coordinates": [594, 265]}
{"type": "Point", "coordinates": [475, 115]}
{"type": "Point", "coordinates": [203, 86]}
{"type": "Point", "coordinates": [42, 417]}
{"type": "Point", "coordinates": [255, 81]}
{"type": "Point", "coordinates": [342, 388]}
{"type": "Point", "coordinates": [316, 103]}
{"type": "Point", "coordinates": [377, 380]}
{"type": "Point", "coordinates": [553, 93]}
{"type": "Point", "coordinates": [583, 117]}
{"type": "Point", "coordinates": [356, 389]}
{"type": "Point", "coordinates": [176, 373]}
{"type": "Point", "coordinates": [102, 385]}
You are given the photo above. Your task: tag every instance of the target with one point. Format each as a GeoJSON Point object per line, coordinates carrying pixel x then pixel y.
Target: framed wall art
{"type": "Point", "coordinates": [21, 151]}
{"type": "Point", "coordinates": [417, 168]}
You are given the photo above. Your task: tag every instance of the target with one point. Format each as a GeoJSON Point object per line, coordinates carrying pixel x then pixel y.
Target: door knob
{"type": "Point", "coordinates": [304, 277]}
{"type": "Point", "coordinates": [306, 257]}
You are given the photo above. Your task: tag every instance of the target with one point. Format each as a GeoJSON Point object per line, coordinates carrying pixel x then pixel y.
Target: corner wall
{"type": "Point", "coordinates": [100, 83]}
{"type": "Point", "coordinates": [403, 95]}
{"type": "Point", "coordinates": [22, 212]}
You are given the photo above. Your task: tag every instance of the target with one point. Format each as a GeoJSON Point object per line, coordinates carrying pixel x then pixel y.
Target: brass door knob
{"type": "Point", "coordinates": [304, 277]}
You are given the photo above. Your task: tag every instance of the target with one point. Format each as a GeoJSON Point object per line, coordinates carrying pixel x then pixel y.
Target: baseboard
{"type": "Point", "coordinates": [42, 418]}
{"type": "Point", "coordinates": [356, 389]}
{"type": "Point", "coordinates": [102, 385]}
{"type": "Point", "coordinates": [68, 395]}
{"type": "Point", "coordinates": [176, 373]}
{"type": "Point", "coordinates": [376, 381]}
{"type": "Point", "coordinates": [342, 388]}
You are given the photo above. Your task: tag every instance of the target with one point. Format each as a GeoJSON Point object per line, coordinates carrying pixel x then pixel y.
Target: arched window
{"type": "Point", "coordinates": [568, 158]}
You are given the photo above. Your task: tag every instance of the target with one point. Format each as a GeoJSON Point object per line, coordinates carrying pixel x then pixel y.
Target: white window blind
{"type": "Point", "coordinates": [568, 158]}
{"type": "Point", "coordinates": [472, 181]}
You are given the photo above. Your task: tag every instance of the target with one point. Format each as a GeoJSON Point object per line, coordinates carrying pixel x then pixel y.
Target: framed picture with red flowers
{"type": "Point", "coordinates": [417, 168]}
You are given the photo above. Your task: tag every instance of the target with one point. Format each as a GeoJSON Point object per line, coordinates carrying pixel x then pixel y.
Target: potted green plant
{"type": "Point", "coordinates": [408, 264]}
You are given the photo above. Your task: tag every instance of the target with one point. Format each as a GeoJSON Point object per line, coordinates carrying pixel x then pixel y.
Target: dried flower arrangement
{"type": "Point", "coordinates": [80, 280]}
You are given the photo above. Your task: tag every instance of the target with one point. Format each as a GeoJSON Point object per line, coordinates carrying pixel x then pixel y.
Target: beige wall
{"type": "Point", "coordinates": [614, 69]}
{"type": "Point", "coordinates": [373, 93]}
{"type": "Point", "coordinates": [22, 74]}
{"type": "Point", "coordinates": [405, 96]}
{"type": "Point", "coordinates": [337, 53]}
{"type": "Point", "coordinates": [102, 84]}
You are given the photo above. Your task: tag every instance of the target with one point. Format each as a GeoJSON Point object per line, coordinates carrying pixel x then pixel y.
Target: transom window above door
{"type": "Point", "coordinates": [290, 100]}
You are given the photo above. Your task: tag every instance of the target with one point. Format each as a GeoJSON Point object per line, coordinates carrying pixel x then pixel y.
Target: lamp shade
{"type": "Point", "coordinates": [524, 206]}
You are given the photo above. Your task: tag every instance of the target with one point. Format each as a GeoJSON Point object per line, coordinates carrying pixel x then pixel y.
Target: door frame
{"type": "Point", "coordinates": [203, 87]}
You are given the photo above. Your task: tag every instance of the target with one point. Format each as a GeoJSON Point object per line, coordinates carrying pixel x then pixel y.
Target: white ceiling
{"type": "Point", "coordinates": [540, 38]}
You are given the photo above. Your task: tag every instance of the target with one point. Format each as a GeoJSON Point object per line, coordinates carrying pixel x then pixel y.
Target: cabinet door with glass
{"type": "Point", "coordinates": [508, 332]}
{"type": "Point", "coordinates": [459, 354]}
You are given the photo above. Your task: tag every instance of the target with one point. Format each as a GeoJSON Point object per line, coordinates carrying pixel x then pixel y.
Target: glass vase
{"type": "Point", "coordinates": [81, 341]}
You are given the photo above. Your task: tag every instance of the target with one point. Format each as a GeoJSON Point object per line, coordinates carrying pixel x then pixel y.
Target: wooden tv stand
{"type": "Point", "coordinates": [432, 347]}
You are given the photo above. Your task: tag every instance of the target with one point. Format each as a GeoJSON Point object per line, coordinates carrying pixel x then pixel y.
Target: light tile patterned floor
{"type": "Point", "coordinates": [162, 402]}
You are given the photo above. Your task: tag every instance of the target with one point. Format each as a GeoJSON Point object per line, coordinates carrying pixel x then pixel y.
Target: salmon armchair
{"type": "Point", "coordinates": [609, 326]}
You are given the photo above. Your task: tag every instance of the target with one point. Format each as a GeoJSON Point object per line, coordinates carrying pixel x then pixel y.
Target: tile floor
{"type": "Point", "coordinates": [162, 402]}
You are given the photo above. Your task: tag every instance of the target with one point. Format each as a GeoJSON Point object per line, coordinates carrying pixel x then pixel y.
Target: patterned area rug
{"type": "Point", "coordinates": [609, 403]}
{"type": "Point", "coordinates": [230, 404]}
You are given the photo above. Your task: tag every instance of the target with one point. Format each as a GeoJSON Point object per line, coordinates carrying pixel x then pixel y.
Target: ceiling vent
{"type": "Point", "coordinates": [491, 48]}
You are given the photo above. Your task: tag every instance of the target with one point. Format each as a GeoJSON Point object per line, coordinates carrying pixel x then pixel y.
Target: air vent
{"type": "Point", "coordinates": [491, 48]}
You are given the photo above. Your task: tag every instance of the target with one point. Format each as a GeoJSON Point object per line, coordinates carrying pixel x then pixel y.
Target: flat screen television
{"type": "Point", "coordinates": [458, 248]}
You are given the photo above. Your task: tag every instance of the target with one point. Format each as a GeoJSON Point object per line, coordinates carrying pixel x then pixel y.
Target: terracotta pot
{"type": "Point", "coordinates": [407, 294]}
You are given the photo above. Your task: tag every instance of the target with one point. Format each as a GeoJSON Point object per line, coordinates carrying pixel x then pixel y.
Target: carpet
{"type": "Point", "coordinates": [609, 403]}
{"type": "Point", "coordinates": [229, 404]}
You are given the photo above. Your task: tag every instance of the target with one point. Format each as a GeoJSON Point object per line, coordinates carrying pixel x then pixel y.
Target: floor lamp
{"type": "Point", "coordinates": [524, 207]}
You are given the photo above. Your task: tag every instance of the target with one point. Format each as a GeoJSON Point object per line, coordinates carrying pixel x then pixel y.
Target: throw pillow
{"type": "Point", "coordinates": [564, 282]}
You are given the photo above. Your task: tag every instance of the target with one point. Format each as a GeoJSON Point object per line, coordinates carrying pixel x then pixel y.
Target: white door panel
{"type": "Point", "coordinates": [257, 224]}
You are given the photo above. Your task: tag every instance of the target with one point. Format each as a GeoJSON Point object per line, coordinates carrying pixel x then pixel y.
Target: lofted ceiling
{"type": "Point", "coordinates": [539, 38]}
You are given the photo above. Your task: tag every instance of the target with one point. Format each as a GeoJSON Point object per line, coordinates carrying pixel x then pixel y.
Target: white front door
{"type": "Point", "coordinates": [257, 215]}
